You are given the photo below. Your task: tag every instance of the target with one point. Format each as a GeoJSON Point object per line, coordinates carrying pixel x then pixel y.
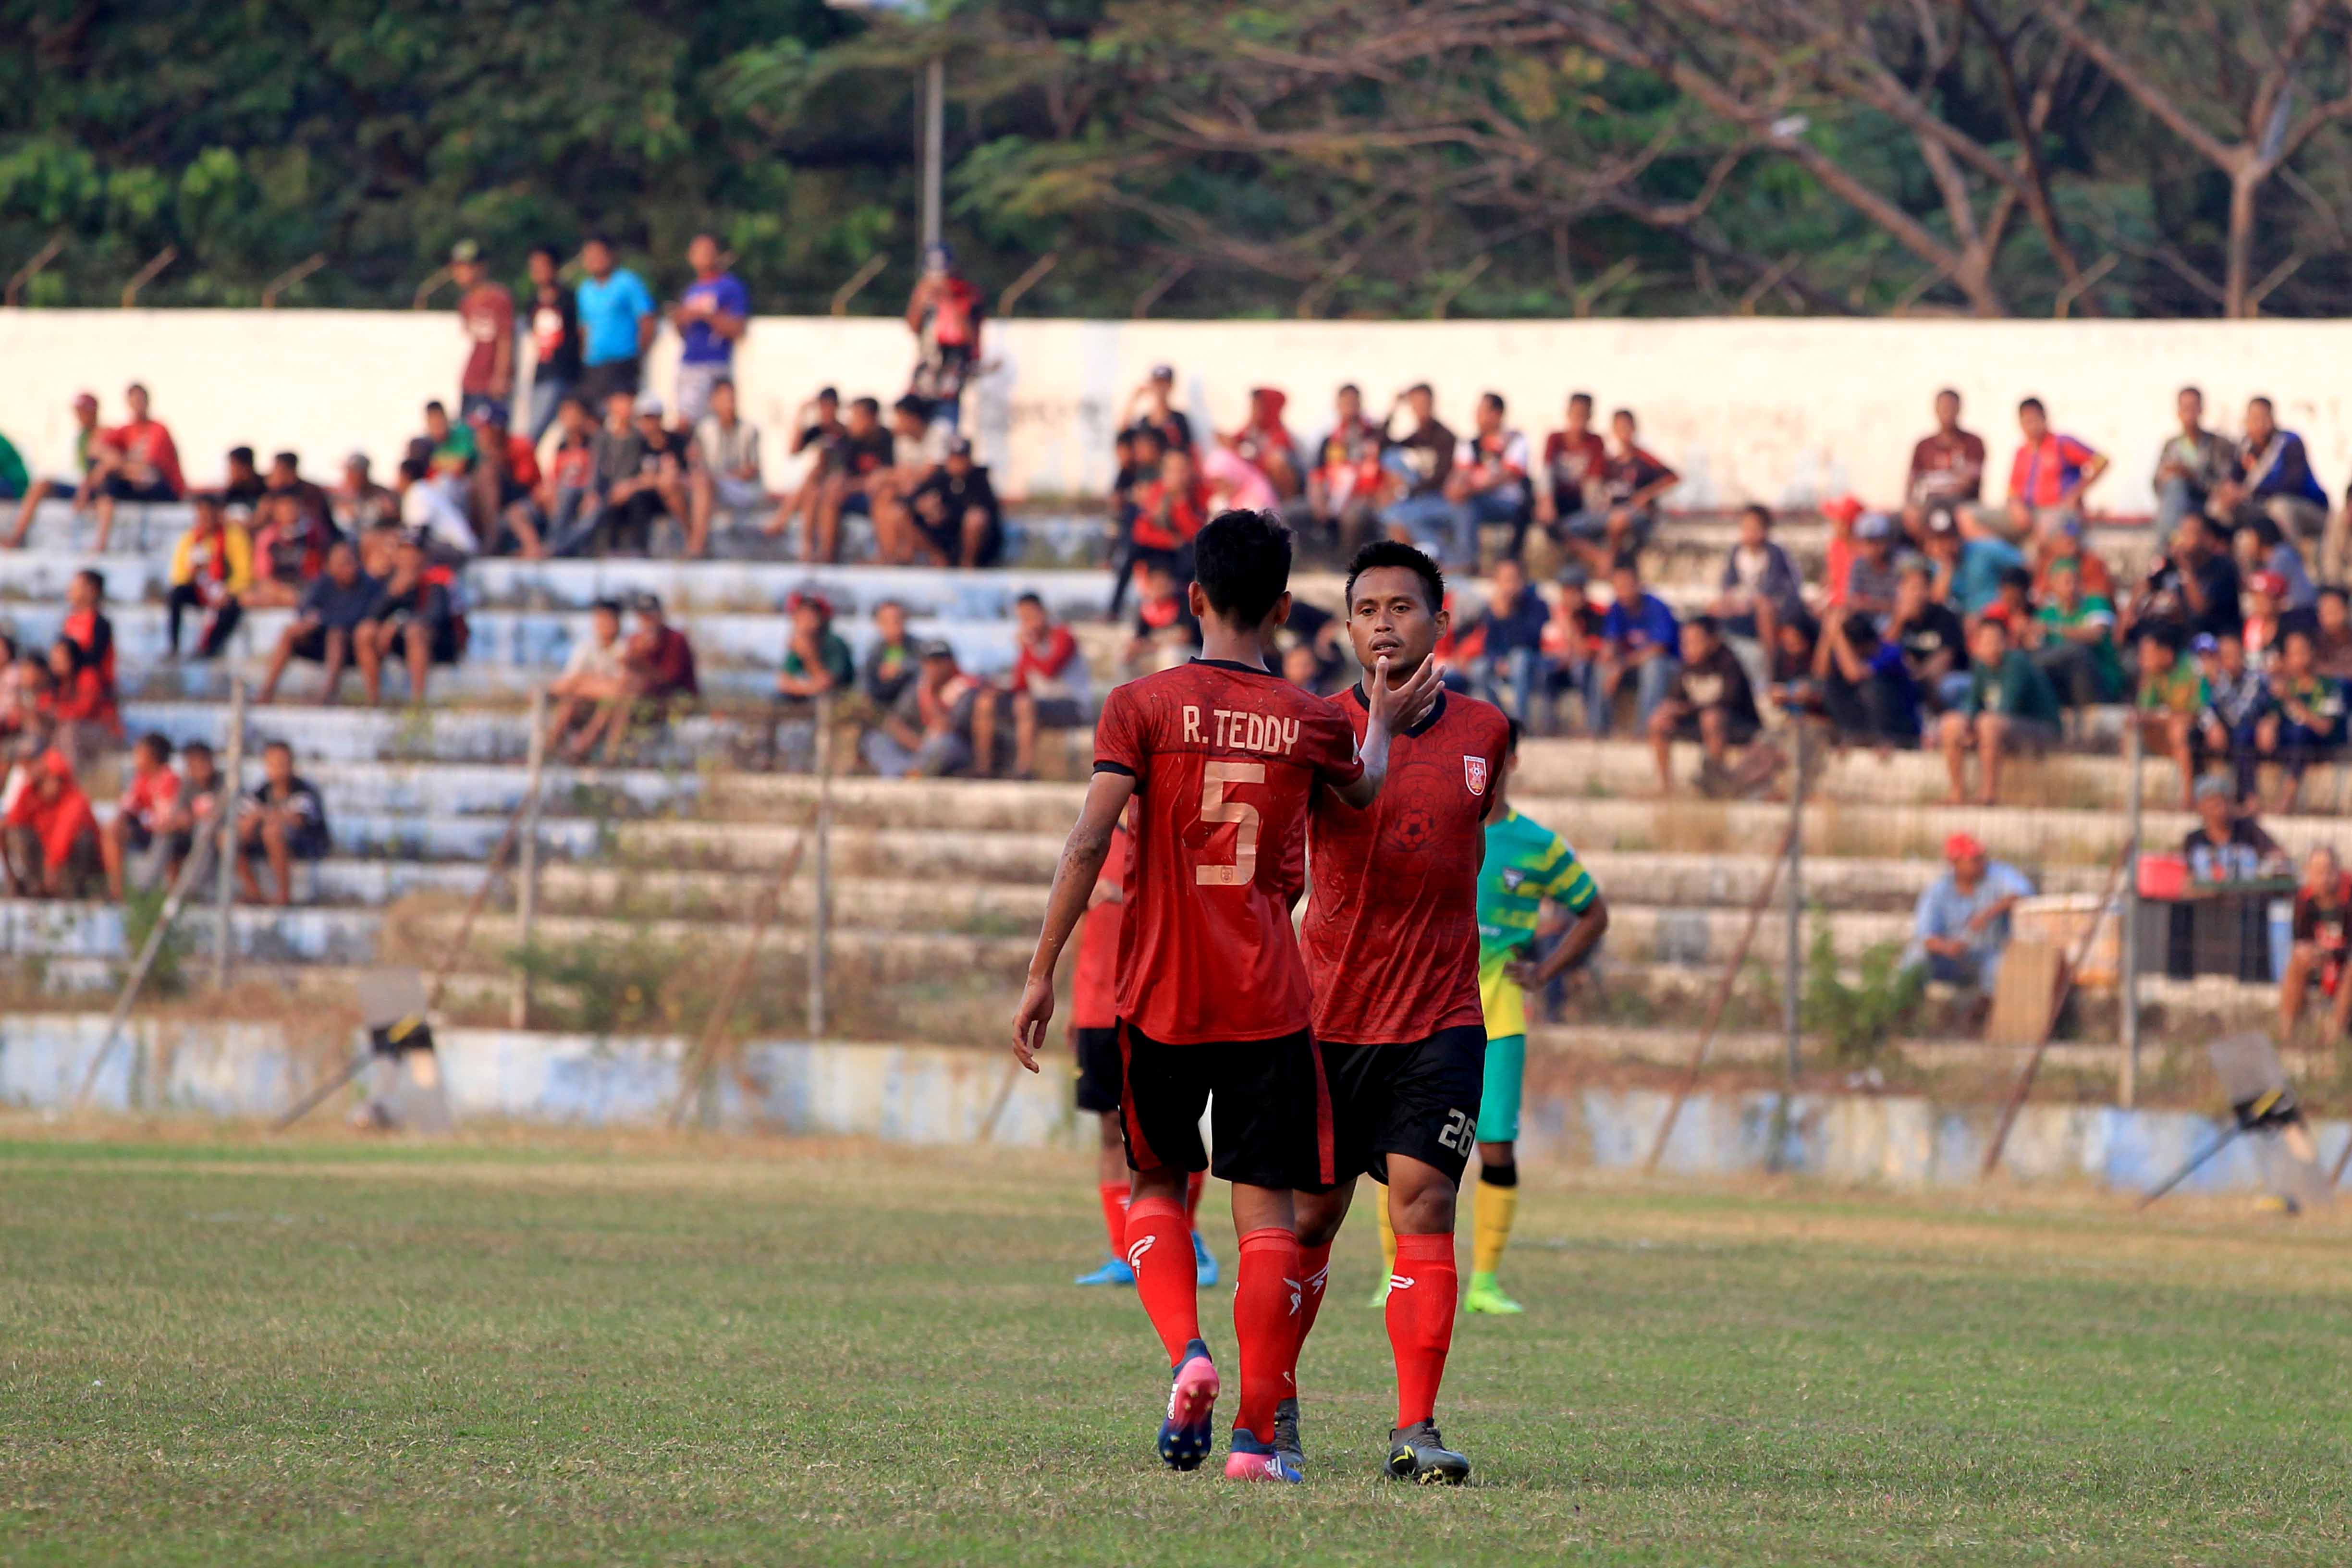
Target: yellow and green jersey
{"type": "Point", "coordinates": [1526, 864]}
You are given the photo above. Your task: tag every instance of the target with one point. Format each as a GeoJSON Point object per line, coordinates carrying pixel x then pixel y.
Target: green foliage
{"type": "Point", "coordinates": [167, 976]}
{"type": "Point", "coordinates": [1858, 1020]}
{"type": "Point", "coordinates": [605, 986]}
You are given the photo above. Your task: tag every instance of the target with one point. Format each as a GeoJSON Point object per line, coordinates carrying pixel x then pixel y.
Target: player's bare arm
{"type": "Point", "coordinates": [1584, 933]}
{"type": "Point", "coordinates": [1074, 885]}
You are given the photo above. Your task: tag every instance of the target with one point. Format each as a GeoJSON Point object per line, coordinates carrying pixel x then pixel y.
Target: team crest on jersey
{"type": "Point", "coordinates": [1474, 774]}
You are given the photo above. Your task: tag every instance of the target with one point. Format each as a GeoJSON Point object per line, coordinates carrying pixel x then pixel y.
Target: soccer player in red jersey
{"type": "Point", "coordinates": [1395, 976]}
{"type": "Point", "coordinates": [1221, 755]}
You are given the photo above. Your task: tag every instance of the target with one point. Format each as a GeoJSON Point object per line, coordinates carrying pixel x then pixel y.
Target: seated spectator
{"type": "Point", "coordinates": [1232, 485]}
{"type": "Point", "coordinates": [243, 486]}
{"type": "Point", "coordinates": [71, 481]}
{"type": "Point", "coordinates": [2062, 546]}
{"type": "Point", "coordinates": [2169, 696]}
{"type": "Point", "coordinates": [594, 677]}
{"type": "Point", "coordinates": [2265, 591]}
{"type": "Point", "coordinates": [1759, 587]}
{"type": "Point", "coordinates": [436, 504]}
{"type": "Point", "coordinates": [358, 504]}
{"type": "Point", "coordinates": [1946, 470]}
{"type": "Point", "coordinates": [928, 732]}
{"type": "Point", "coordinates": [16, 704]}
{"type": "Point", "coordinates": [1421, 462]}
{"type": "Point", "coordinates": [2228, 846]}
{"type": "Point", "coordinates": [1051, 686]}
{"type": "Point", "coordinates": [2073, 637]}
{"type": "Point", "coordinates": [79, 709]}
{"type": "Point", "coordinates": [1842, 513]}
{"type": "Point", "coordinates": [726, 471]}
{"type": "Point", "coordinates": [1267, 445]}
{"type": "Point", "coordinates": [918, 446]}
{"type": "Point", "coordinates": [957, 519]}
{"type": "Point", "coordinates": [25, 694]}
{"type": "Point", "coordinates": [567, 480]}
{"type": "Point", "coordinates": [1510, 671]}
{"type": "Point", "coordinates": [2191, 465]}
{"type": "Point", "coordinates": [1968, 567]}
{"type": "Point", "coordinates": [212, 570]}
{"type": "Point", "coordinates": [416, 620]}
{"type": "Point", "coordinates": [48, 834]}
{"type": "Point", "coordinates": [282, 820]}
{"type": "Point", "coordinates": [892, 663]}
{"type": "Point", "coordinates": [2260, 546]}
{"type": "Point", "coordinates": [505, 489]}
{"type": "Point", "coordinates": [1343, 487]}
{"type": "Point", "coordinates": [1633, 481]}
{"type": "Point", "coordinates": [87, 624]}
{"type": "Point", "coordinates": [1489, 481]}
{"type": "Point", "coordinates": [289, 551]}
{"type": "Point", "coordinates": [1575, 460]}
{"type": "Point", "coordinates": [138, 828]}
{"type": "Point", "coordinates": [2272, 478]}
{"type": "Point", "coordinates": [136, 461]}
{"type": "Point", "coordinates": [1867, 691]}
{"type": "Point", "coordinates": [655, 492]}
{"type": "Point", "coordinates": [2304, 720]}
{"type": "Point", "coordinates": [1870, 581]}
{"type": "Point", "coordinates": [2012, 605]}
{"type": "Point", "coordinates": [1140, 454]}
{"type": "Point", "coordinates": [859, 484]}
{"type": "Point", "coordinates": [2192, 588]}
{"type": "Point", "coordinates": [2236, 696]}
{"type": "Point", "coordinates": [450, 450]}
{"type": "Point", "coordinates": [1794, 665]}
{"type": "Point", "coordinates": [1960, 928]}
{"type": "Point", "coordinates": [1709, 701]}
{"type": "Point", "coordinates": [1166, 633]}
{"type": "Point", "coordinates": [2331, 640]}
{"type": "Point", "coordinates": [1169, 511]}
{"type": "Point", "coordinates": [1639, 642]}
{"type": "Point", "coordinates": [2011, 706]}
{"type": "Point", "coordinates": [1152, 405]}
{"type": "Point", "coordinates": [1572, 637]}
{"type": "Point", "coordinates": [2323, 937]}
{"type": "Point", "coordinates": [821, 439]}
{"type": "Point", "coordinates": [193, 809]}
{"type": "Point", "coordinates": [817, 663]}
{"type": "Point", "coordinates": [284, 487]}
{"type": "Point", "coordinates": [2048, 476]}
{"type": "Point", "coordinates": [334, 606]}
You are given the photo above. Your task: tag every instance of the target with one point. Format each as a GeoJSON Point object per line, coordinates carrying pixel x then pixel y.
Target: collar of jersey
{"type": "Point", "coordinates": [1436, 711]}
{"type": "Point", "coordinates": [1231, 664]}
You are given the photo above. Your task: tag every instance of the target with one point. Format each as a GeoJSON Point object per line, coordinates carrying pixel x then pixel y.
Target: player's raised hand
{"type": "Point", "coordinates": [1400, 708]}
{"type": "Point", "coordinates": [1029, 1023]}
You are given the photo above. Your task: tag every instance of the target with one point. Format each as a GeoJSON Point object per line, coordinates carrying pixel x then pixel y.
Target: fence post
{"type": "Point", "coordinates": [2128, 949]}
{"type": "Point", "coordinates": [527, 875]}
{"type": "Point", "coordinates": [231, 800]}
{"type": "Point", "coordinates": [821, 921]}
{"type": "Point", "coordinates": [1792, 992]}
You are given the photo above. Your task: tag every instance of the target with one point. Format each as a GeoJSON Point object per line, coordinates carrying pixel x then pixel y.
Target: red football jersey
{"type": "Point", "coordinates": [1224, 758]}
{"type": "Point", "coordinates": [1392, 928]}
{"type": "Point", "coordinates": [1093, 989]}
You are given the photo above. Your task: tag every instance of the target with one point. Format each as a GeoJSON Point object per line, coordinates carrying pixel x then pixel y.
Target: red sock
{"type": "Point", "coordinates": [1265, 1322]}
{"type": "Point", "coordinates": [1192, 1186]}
{"type": "Point", "coordinates": [1420, 1321]}
{"type": "Point", "coordinates": [1114, 1203]}
{"type": "Point", "coordinates": [1159, 1250]}
{"type": "Point", "coordinates": [1314, 1269]}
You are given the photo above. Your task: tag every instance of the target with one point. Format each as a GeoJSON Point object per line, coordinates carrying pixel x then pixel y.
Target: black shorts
{"type": "Point", "coordinates": [442, 633]}
{"type": "Point", "coordinates": [599, 382]}
{"type": "Point", "coordinates": [1419, 1099]}
{"type": "Point", "coordinates": [1270, 1109]}
{"type": "Point", "coordinates": [1099, 1071]}
{"type": "Point", "coordinates": [311, 645]}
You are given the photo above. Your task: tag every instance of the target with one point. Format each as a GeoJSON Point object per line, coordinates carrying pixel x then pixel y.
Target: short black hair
{"type": "Point", "coordinates": [1862, 629]}
{"type": "Point", "coordinates": [2267, 406]}
{"type": "Point", "coordinates": [1759, 509]}
{"type": "Point", "coordinates": [597, 236]}
{"type": "Point", "coordinates": [1030, 599]}
{"type": "Point", "coordinates": [828, 394]}
{"type": "Point", "coordinates": [1707, 624]}
{"type": "Point", "coordinates": [870, 405]}
{"type": "Point", "coordinates": [1242, 561]}
{"type": "Point", "coordinates": [543, 248]}
{"type": "Point", "coordinates": [241, 455]}
{"type": "Point", "coordinates": [434, 406]}
{"type": "Point", "coordinates": [607, 606]}
{"type": "Point", "coordinates": [2033, 403]}
{"type": "Point", "coordinates": [1511, 741]}
{"type": "Point", "coordinates": [1493, 400]}
{"type": "Point", "coordinates": [94, 578]}
{"type": "Point", "coordinates": [157, 746]}
{"type": "Point", "coordinates": [1576, 397]}
{"type": "Point", "coordinates": [910, 404]}
{"type": "Point", "coordinates": [283, 746]}
{"type": "Point", "coordinates": [197, 749]}
{"type": "Point", "coordinates": [2017, 577]}
{"type": "Point", "coordinates": [1380, 552]}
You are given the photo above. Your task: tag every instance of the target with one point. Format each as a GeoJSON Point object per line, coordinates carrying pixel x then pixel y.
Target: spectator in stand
{"type": "Point", "coordinates": [1574, 459]}
{"type": "Point", "coordinates": [654, 490]}
{"type": "Point", "coordinates": [2265, 591]}
{"type": "Point", "coordinates": [1969, 566]}
{"type": "Point", "coordinates": [450, 448]}
{"type": "Point", "coordinates": [289, 551]}
{"type": "Point", "coordinates": [1343, 487]}
{"type": "Point", "coordinates": [594, 680]}
{"type": "Point", "coordinates": [1050, 687]}
{"type": "Point", "coordinates": [284, 488]}
{"type": "Point", "coordinates": [726, 467]}
{"type": "Point", "coordinates": [86, 627]}
{"type": "Point", "coordinates": [416, 620]}
{"type": "Point", "coordinates": [1639, 641]}
{"type": "Point", "coordinates": [137, 461]}
{"type": "Point", "coordinates": [554, 339]}
{"type": "Point", "coordinates": [1265, 443]}
{"type": "Point", "coordinates": [657, 671]}
{"type": "Point", "coordinates": [15, 479]}
{"type": "Point", "coordinates": [2304, 722]}
{"type": "Point", "coordinates": [505, 491]}
{"type": "Point", "coordinates": [817, 663]}
{"type": "Point", "coordinates": [358, 504]}
{"type": "Point", "coordinates": [568, 481]}
{"type": "Point", "coordinates": [2169, 696]}
{"type": "Point", "coordinates": [2323, 939]}
{"type": "Point", "coordinates": [822, 441]}
{"type": "Point", "coordinates": [711, 318]}
{"type": "Point", "coordinates": [48, 835]}
{"type": "Point", "coordinates": [1710, 702]}
{"type": "Point", "coordinates": [137, 826]}
{"type": "Point", "coordinates": [1303, 670]}
{"type": "Point", "coordinates": [2189, 466]}
{"type": "Point", "coordinates": [2048, 476]}
{"type": "Point", "coordinates": [2012, 603]}
{"type": "Point", "coordinates": [2072, 636]}
{"type": "Point", "coordinates": [2331, 638]}
{"type": "Point", "coordinates": [1509, 671]}
{"type": "Point", "coordinates": [2236, 696]}
{"type": "Point", "coordinates": [1870, 579]}
{"type": "Point", "coordinates": [1759, 587]}
{"type": "Point", "coordinates": [212, 570]}
{"type": "Point", "coordinates": [433, 503]}
{"type": "Point", "coordinates": [617, 321]}
{"type": "Point", "coordinates": [79, 707]}
{"type": "Point", "coordinates": [1867, 691]}
{"type": "Point", "coordinates": [1165, 632]}
{"type": "Point", "coordinates": [486, 314]}
{"type": "Point", "coordinates": [2228, 846]}
{"type": "Point", "coordinates": [958, 521]}
{"type": "Point", "coordinates": [1843, 514]}
{"type": "Point", "coordinates": [2062, 546]}
{"type": "Point", "coordinates": [71, 478]}
{"type": "Point", "coordinates": [282, 819]}
{"type": "Point", "coordinates": [928, 731]}
{"type": "Point", "coordinates": [891, 663]}
{"type": "Point", "coordinates": [860, 486]}
{"type": "Point", "coordinates": [1632, 481]}
{"type": "Point", "coordinates": [944, 312]}
{"type": "Point", "coordinates": [2272, 478]}
{"type": "Point", "coordinates": [1960, 928]}
{"type": "Point", "coordinates": [2261, 546]}
{"type": "Point", "coordinates": [334, 606]}
{"type": "Point", "coordinates": [194, 805]}
{"type": "Point", "coordinates": [1573, 638]}
{"type": "Point", "coordinates": [1169, 510]}
{"type": "Point", "coordinates": [917, 449]}
{"type": "Point", "coordinates": [1489, 481]}
{"type": "Point", "coordinates": [1946, 470]}
{"type": "Point", "coordinates": [2011, 707]}
{"type": "Point", "coordinates": [2193, 587]}
{"type": "Point", "coordinates": [1152, 405]}
{"type": "Point", "coordinates": [243, 485]}
{"type": "Point", "coordinates": [1422, 461]}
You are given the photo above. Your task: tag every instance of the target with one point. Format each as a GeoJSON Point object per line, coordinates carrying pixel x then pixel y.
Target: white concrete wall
{"type": "Point", "coordinates": [1786, 411]}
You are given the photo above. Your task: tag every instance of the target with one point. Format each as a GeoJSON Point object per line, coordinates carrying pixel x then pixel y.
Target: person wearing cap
{"type": "Point", "coordinates": [71, 480]}
{"type": "Point", "coordinates": [1151, 405]}
{"type": "Point", "coordinates": [1959, 926]}
{"type": "Point", "coordinates": [725, 468]}
{"type": "Point", "coordinates": [212, 572]}
{"type": "Point", "coordinates": [1969, 562]}
{"type": "Point", "coordinates": [2048, 474]}
{"type": "Point", "coordinates": [2236, 695]}
{"type": "Point", "coordinates": [816, 660]}
{"type": "Point", "coordinates": [2010, 706]}
{"type": "Point", "coordinates": [485, 315]}
{"type": "Point", "coordinates": [956, 519]}
{"type": "Point", "coordinates": [48, 835]}
{"type": "Point", "coordinates": [1947, 469]}
{"type": "Point", "coordinates": [1870, 578]}
{"type": "Point", "coordinates": [711, 318]}
{"type": "Point", "coordinates": [928, 732]}
{"type": "Point", "coordinates": [2228, 844]}
{"type": "Point", "coordinates": [617, 323]}
{"type": "Point", "coordinates": [2191, 465]}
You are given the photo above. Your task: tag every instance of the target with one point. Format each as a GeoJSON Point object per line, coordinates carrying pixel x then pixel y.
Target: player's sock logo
{"type": "Point", "coordinates": [1297, 1293]}
{"type": "Point", "coordinates": [1135, 1254]}
{"type": "Point", "coordinates": [1315, 1281]}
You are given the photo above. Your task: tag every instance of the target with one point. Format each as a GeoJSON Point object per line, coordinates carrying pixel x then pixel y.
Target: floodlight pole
{"type": "Point", "coordinates": [935, 105]}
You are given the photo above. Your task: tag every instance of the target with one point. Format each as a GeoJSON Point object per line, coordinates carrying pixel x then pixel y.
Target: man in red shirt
{"type": "Point", "coordinates": [486, 314]}
{"type": "Point", "coordinates": [1050, 688]}
{"type": "Point", "coordinates": [1946, 470]}
{"type": "Point", "coordinates": [1170, 509]}
{"type": "Point", "coordinates": [136, 461]}
{"type": "Point", "coordinates": [1573, 463]}
{"type": "Point", "coordinates": [2048, 476]}
{"type": "Point", "coordinates": [1212, 1002]}
{"type": "Point", "coordinates": [139, 819]}
{"type": "Point", "coordinates": [1397, 1010]}
{"type": "Point", "coordinates": [50, 842]}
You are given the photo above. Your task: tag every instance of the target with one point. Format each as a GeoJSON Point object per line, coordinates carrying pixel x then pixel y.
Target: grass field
{"type": "Point", "coordinates": [559, 1352]}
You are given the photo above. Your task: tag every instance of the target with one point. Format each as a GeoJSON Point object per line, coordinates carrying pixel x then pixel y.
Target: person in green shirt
{"type": "Point", "coordinates": [817, 663]}
{"type": "Point", "coordinates": [14, 480]}
{"type": "Point", "coordinates": [2166, 703]}
{"type": "Point", "coordinates": [2073, 638]}
{"type": "Point", "coordinates": [2011, 706]}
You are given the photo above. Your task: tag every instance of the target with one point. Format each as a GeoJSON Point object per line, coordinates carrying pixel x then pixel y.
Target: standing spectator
{"type": "Point", "coordinates": [1511, 670]}
{"type": "Point", "coordinates": [1489, 481]}
{"type": "Point", "coordinates": [358, 504]}
{"type": "Point", "coordinates": [2236, 696]}
{"type": "Point", "coordinates": [137, 826]}
{"type": "Point", "coordinates": [1343, 488]}
{"type": "Point", "coordinates": [958, 521]}
{"type": "Point", "coordinates": [1152, 405]}
{"type": "Point", "coordinates": [334, 606]}
{"type": "Point", "coordinates": [2048, 474]}
{"type": "Point", "coordinates": [1960, 928]}
{"type": "Point", "coordinates": [1946, 470]}
{"type": "Point", "coordinates": [2304, 720]}
{"type": "Point", "coordinates": [71, 480]}
{"type": "Point", "coordinates": [816, 664]}
{"type": "Point", "coordinates": [1710, 702]}
{"type": "Point", "coordinates": [2323, 939]}
{"type": "Point", "coordinates": [485, 313]}
{"type": "Point", "coordinates": [1935, 642]}
{"type": "Point", "coordinates": [1870, 580]}
{"type": "Point", "coordinates": [2191, 465]}
{"type": "Point", "coordinates": [711, 318]}
{"type": "Point", "coordinates": [1761, 586]}
{"type": "Point", "coordinates": [1639, 640]}
{"type": "Point", "coordinates": [1574, 459]}
{"type": "Point", "coordinates": [1423, 461]}
{"type": "Point", "coordinates": [617, 323]}
{"type": "Point", "coordinates": [944, 313]}
{"type": "Point", "coordinates": [137, 462]}
{"type": "Point", "coordinates": [1050, 684]}
{"type": "Point", "coordinates": [891, 663]}
{"type": "Point", "coordinates": [2192, 588]}
{"type": "Point", "coordinates": [2272, 478]}
{"type": "Point", "coordinates": [1265, 445]}
{"type": "Point", "coordinates": [283, 820]}
{"type": "Point", "coordinates": [1573, 638]}
{"type": "Point", "coordinates": [555, 340]}
{"type": "Point", "coordinates": [2073, 637]}
{"type": "Point", "coordinates": [414, 620]}
{"type": "Point", "coordinates": [2011, 706]}
{"type": "Point", "coordinates": [726, 471]}
{"type": "Point", "coordinates": [2169, 696]}
{"type": "Point", "coordinates": [1867, 691]}
{"type": "Point", "coordinates": [212, 570]}
{"type": "Point", "coordinates": [594, 677]}
{"type": "Point", "coordinates": [48, 835]}
{"type": "Point", "coordinates": [2331, 641]}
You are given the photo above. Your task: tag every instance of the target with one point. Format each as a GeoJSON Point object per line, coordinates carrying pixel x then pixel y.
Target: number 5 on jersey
{"type": "Point", "coordinates": [1215, 807]}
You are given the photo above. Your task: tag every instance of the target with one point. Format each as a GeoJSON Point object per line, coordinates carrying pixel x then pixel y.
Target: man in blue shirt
{"type": "Point", "coordinates": [617, 324]}
{"type": "Point", "coordinates": [1961, 922]}
{"type": "Point", "coordinates": [1968, 565]}
{"type": "Point", "coordinates": [1511, 659]}
{"type": "Point", "coordinates": [2272, 478]}
{"type": "Point", "coordinates": [1639, 639]}
{"type": "Point", "coordinates": [711, 318]}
